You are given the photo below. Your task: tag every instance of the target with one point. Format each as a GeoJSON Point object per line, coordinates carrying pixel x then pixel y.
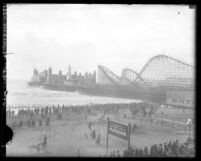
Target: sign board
{"type": "Point", "coordinates": [180, 98]}
{"type": "Point", "coordinates": [118, 130]}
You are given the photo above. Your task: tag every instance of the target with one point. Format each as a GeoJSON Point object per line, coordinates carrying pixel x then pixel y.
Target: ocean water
{"type": "Point", "coordinates": [20, 95]}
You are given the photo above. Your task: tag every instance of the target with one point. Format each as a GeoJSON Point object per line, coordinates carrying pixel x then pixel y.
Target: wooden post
{"type": "Point", "coordinates": [129, 132]}
{"type": "Point", "coordinates": [78, 152]}
{"type": "Point", "coordinates": [189, 128]}
{"type": "Point", "coordinates": [54, 132]}
{"type": "Point", "coordinates": [107, 137]}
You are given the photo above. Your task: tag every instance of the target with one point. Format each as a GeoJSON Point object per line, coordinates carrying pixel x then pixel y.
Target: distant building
{"type": "Point", "coordinates": [55, 78]}
{"type": "Point", "coordinates": [38, 77]}
{"type": "Point", "coordinates": [69, 76]}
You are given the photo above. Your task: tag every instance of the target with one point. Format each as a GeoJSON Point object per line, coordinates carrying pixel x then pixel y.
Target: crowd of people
{"type": "Point", "coordinates": [45, 113]}
{"type": "Point", "coordinates": [30, 123]}
{"type": "Point", "coordinates": [93, 134]}
{"type": "Point", "coordinates": [142, 108]}
{"type": "Point", "coordinates": [167, 149]}
{"type": "Point", "coordinates": [106, 108]}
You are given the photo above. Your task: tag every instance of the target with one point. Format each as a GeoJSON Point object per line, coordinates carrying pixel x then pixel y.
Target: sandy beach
{"type": "Point", "coordinates": [71, 135]}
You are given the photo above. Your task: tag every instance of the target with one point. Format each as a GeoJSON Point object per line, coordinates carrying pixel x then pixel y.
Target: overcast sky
{"type": "Point", "coordinates": [115, 36]}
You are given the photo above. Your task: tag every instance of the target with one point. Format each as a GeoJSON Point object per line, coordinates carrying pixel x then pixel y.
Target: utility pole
{"type": "Point", "coordinates": [129, 131]}
{"type": "Point", "coordinates": [54, 132]}
{"type": "Point", "coordinates": [107, 137]}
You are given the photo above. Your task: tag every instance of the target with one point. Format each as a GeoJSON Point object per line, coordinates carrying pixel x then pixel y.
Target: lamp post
{"type": "Point", "coordinates": [8, 53]}
{"type": "Point", "coordinates": [189, 124]}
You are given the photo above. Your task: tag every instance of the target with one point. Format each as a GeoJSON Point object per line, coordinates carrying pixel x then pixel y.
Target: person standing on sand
{"type": "Point", "coordinates": [33, 123]}
{"type": "Point", "coordinates": [44, 141]}
{"type": "Point", "coordinates": [78, 152]}
{"type": "Point", "coordinates": [151, 120]}
{"type": "Point", "coordinates": [89, 126]}
{"type": "Point", "coordinates": [12, 114]}
{"type": "Point", "coordinates": [28, 122]}
{"type": "Point", "coordinates": [94, 134]}
{"type": "Point", "coordinates": [124, 114]}
{"type": "Point", "coordinates": [98, 140]}
{"type": "Point", "coordinates": [134, 127]}
{"type": "Point", "coordinates": [47, 121]}
{"type": "Point", "coordinates": [40, 122]}
{"type": "Point", "coordinates": [118, 153]}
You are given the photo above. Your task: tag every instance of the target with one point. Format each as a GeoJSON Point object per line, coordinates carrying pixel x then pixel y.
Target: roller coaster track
{"type": "Point", "coordinates": [165, 66]}
{"type": "Point", "coordinates": [158, 57]}
{"type": "Point", "coordinates": [130, 70]}
{"type": "Point", "coordinates": [106, 71]}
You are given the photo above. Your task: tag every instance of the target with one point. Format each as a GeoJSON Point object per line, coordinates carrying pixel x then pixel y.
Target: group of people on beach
{"type": "Point", "coordinates": [106, 108]}
{"type": "Point", "coordinates": [45, 113]}
{"type": "Point", "coordinates": [112, 108]}
{"type": "Point", "coordinates": [167, 149]}
{"type": "Point", "coordinates": [142, 108]}
{"type": "Point", "coordinates": [30, 123]}
{"type": "Point", "coordinates": [93, 134]}
{"type": "Point", "coordinates": [28, 118]}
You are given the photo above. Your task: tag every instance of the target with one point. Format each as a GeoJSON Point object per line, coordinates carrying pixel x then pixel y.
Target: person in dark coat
{"type": "Point", "coordinates": [153, 151]}
{"type": "Point", "coordinates": [12, 114]}
{"type": "Point", "coordinates": [35, 111]}
{"type": "Point", "coordinates": [134, 127]}
{"type": "Point", "coordinates": [98, 140]}
{"type": "Point", "coordinates": [89, 126]}
{"type": "Point", "coordinates": [140, 152]}
{"type": "Point", "coordinates": [9, 113]}
{"type": "Point", "coordinates": [124, 114]}
{"type": "Point", "coordinates": [174, 148]}
{"type": "Point", "coordinates": [31, 114]}
{"type": "Point", "coordinates": [151, 120]}
{"type": "Point", "coordinates": [29, 123]}
{"type": "Point", "coordinates": [94, 134]}
{"type": "Point", "coordinates": [14, 124]}
{"type": "Point", "coordinates": [47, 121]}
{"type": "Point", "coordinates": [46, 110]}
{"type": "Point", "coordinates": [165, 149]}
{"type": "Point", "coordinates": [118, 153]}
{"type": "Point", "coordinates": [145, 151]}
{"type": "Point", "coordinates": [160, 150]}
{"type": "Point", "coordinates": [33, 123]}
{"type": "Point", "coordinates": [63, 108]}
{"type": "Point", "coordinates": [44, 141]}
{"type": "Point", "coordinates": [40, 123]}
{"type": "Point", "coordinates": [20, 124]}
{"type": "Point", "coordinates": [59, 116]}
{"type": "Point", "coordinates": [136, 153]}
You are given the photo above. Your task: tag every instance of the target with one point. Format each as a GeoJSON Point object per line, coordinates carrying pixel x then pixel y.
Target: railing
{"type": "Point", "coordinates": [164, 122]}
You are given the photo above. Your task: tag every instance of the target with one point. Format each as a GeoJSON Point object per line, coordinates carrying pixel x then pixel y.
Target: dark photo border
{"type": "Point", "coordinates": [3, 80]}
